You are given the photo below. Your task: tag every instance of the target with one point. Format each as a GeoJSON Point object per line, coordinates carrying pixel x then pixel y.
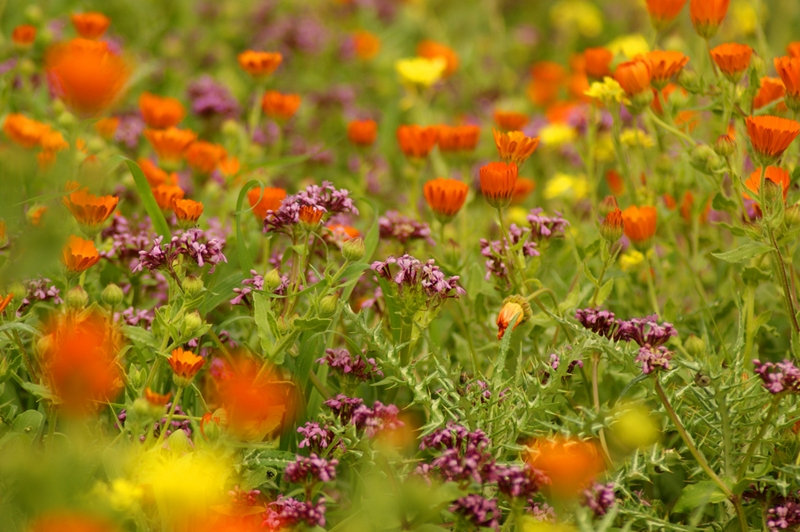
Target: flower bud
{"type": "Point", "coordinates": [328, 305]}
{"type": "Point", "coordinates": [112, 295]}
{"type": "Point", "coordinates": [792, 215]}
{"type": "Point", "coordinates": [725, 146]}
{"type": "Point", "coordinates": [191, 323]}
{"type": "Point", "coordinates": [758, 68]}
{"type": "Point", "coordinates": [27, 67]}
{"type": "Point", "coordinates": [33, 14]}
{"type": "Point", "coordinates": [689, 80]}
{"type": "Point", "coordinates": [192, 286]}
{"type": "Point", "coordinates": [230, 129]}
{"type": "Point", "coordinates": [141, 408]}
{"type": "Point", "coordinates": [612, 227]}
{"type": "Point", "coordinates": [608, 205]}
{"type": "Point", "coordinates": [705, 159]}
{"type": "Point", "coordinates": [284, 325]}
{"type": "Point", "coordinates": [640, 101]}
{"type": "Point", "coordinates": [213, 423]}
{"type": "Point", "coordinates": [513, 306]}
{"type": "Point", "coordinates": [695, 346]}
{"type": "Point", "coordinates": [67, 120]}
{"type": "Point", "coordinates": [77, 298]}
{"type": "Point", "coordinates": [272, 281]}
{"type": "Point", "coordinates": [179, 443]}
{"type": "Point", "coordinates": [354, 250]}
{"type": "Point", "coordinates": [702, 380]}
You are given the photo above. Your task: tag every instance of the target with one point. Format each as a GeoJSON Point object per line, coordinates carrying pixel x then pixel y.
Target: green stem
{"type": "Point", "coordinates": [726, 432]}
{"type": "Point", "coordinates": [512, 256]}
{"type": "Point", "coordinates": [608, 260]}
{"type": "Point", "coordinates": [406, 329]}
{"type": "Point", "coordinates": [255, 110]}
{"type": "Point", "coordinates": [677, 132]}
{"type": "Point", "coordinates": [787, 294]}
{"type": "Point", "coordinates": [651, 287]}
{"type": "Point", "coordinates": [172, 408]}
{"type": "Point", "coordinates": [751, 449]}
{"type": "Point", "coordinates": [750, 328]}
{"type": "Point", "coordinates": [596, 398]}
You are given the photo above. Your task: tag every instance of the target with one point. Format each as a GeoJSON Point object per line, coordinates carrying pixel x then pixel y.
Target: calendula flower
{"type": "Point", "coordinates": [634, 76]}
{"type": "Point", "coordinates": [577, 15]}
{"type": "Point", "coordinates": [185, 366]}
{"type": "Point", "coordinates": [789, 70]}
{"type": "Point", "coordinates": [663, 12]}
{"type": "Point", "coordinates": [498, 181]}
{"type": "Point", "coordinates": [90, 211]}
{"type": "Point", "coordinates": [732, 59]}
{"type": "Point", "coordinates": [362, 132]}
{"type": "Point", "coordinates": [707, 15]}
{"type": "Point", "coordinates": [640, 225]}
{"type": "Point", "coordinates": [23, 36]}
{"type": "Point", "coordinates": [165, 195]}
{"type": "Point", "coordinates": [566, 186]}
{"type": "Point", "coordinates": [107, 127]}
{"type": "Point", "coordinates": [310, 216]}
{"type": "Point", "coordinates": [514, 146]}
{"type": "Point", "coordinates": [156, 399]}
{"type": "Point", "coordinates": [86, 75]}
{"type": "Point", "coordinates": [609, 92]}
{"type": "Point", "coordinates": [265, 200]}
{"type": "Point", "coordinates": [204, 157]}
{"type": "Point", "coordinates": [366, 44]}
{"type": "Point", "coordinates": [421, 71]}
{"type": "Point", "coordinates": [92, 25]}
{"type": "Point", "coordinates": [170, 144]}
{"type": "Point", "coordinates": [229, 166]}
{"type": "Point", "coordinates": [779, 176]}
{"type": "Point", "coordinates": [522, 189]}
{"type": "Point", "coordinates": [771, 89]}
{"type": "Point", "coordinates": [665, 65]}
{"type": "Point", "coordinates": [793, 49]}
{"type": "Point", "coordinates": [458, 138]}
{"type": "Point", "coordinates": [598, 62]}
{"type": "Point", "coordinates": [510, 120]}
{"type": "Point", "coordinates": [79, 255]}
{"type": "Point", "coordinates": [445, 197]}
{"type": "Point", "coordinates": [259, 64]}
{"type": "Point", "coordinates": [435, 50]}
{"type": "Point", "coordinates": [771, 135]}
{"type": "Point", "coordinates": [612, 227]}
{"type": "Point", "coordinates": [631, 46]}
{"type": "Point", "coordinates": [636, 137]}
{"type": "Point", "coordinates": [417, 141]}
{"type": "Point", "coordinates": [547, 78]}
{"type": "Point", "coordinates": [156, 176]}
{"type": "Point", "coordinates": [24, 131]}
{"type": "Point", "coordinates": [514, 307]}
{"type": "Point", "coordinates": [187, 211]}
{"type": "Point", "coordinates": [280, 106]}
{"type": "Point", "coordinates": [570, 464]}
{"type": "Point", "coordinates": [160, 112]}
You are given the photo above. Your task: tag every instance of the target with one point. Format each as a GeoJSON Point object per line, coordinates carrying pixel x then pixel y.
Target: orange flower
{"type": "Point", "coordinates": [362, 132]}
{"type": "Point", "coordinates": [159, 112]}
{"type": "Point", "coordinates": [342, 233]}
{"type": "Point", "coordinates": [417, 141]}
{"type": "Point", "coordinates": [79, 255]}
{"type": "Point", "coordinates": [204, 157]}
{"type": "Point", "coordinates": [458, 138]}
{"type": "Point", "coordinates": [771, 89]}
{"type": "Point", "coordinates": [510, 120]}
{"type": "Point", "coordinates": [687, 120]}
{"type": "Point", "coordinates": [24, 131]}
{"type": "Point", "coordinates": [547, 78]}
{"type": "Point", "coordinates": [280, 106]}
{"type": "Point", "coordinates": [156, 399]}
{"type": "Point", "coordinates": [793, 49]}
{"type": "Point", "coordinates": [662, 12]}
{"type": "Point", "coordinates": [91, 25]}
{"type": "Point", "coordinates": [515, 146]}
{"type": "Point", "coordinates": [34, 215]}
{"type": "Point", "coordinates": [570, 464]}
{"type": "Point", "coordinates": [170, 144]}
{"type": "Point", "coordinates": [686, 208]}
{"type": "Point", "coordinates": [3, 235]}
{"type": "Point", "coordinates": [53, 141]}
{"type": "Point", "coordinates": [187, 211]}
{"type": "Point", "coordinates": [156, 176]}
{"type": "Point", "coordinates": [259, 64]}
{"type": "Point", "coordinates": [779, 176]}
{"type": "Point", "coordinates": [230, 166]}
{"type": "Point", "coordinates": [665, 93]}
{"type": "Point", "coordinates": [310, 216]}
{"type": "Point", "coordinates": [4, 302]}
{"type": "Point", "coordinates": [789, 70]}
{"type": "Point", "coordinates": [89, 210]}
{"type": "Point", "coordinates": [522, 189]}
{"type": "Point", "coordinates": [24, 35]}
{"type": "Point", "coordinates": [366, 44]}
{"type": "Point", "coordinates": [514, 308]}
{"type": "Point", "coordinates": [165, 195]}
{"type": "Point", "coordinates": [669, 201]}
{"type": "Point", "coordinates": [707, 15]}
{"type": "Point", "coordinates": [86, 75]}
{"type": "Point", "coordinates": [640, 225]}
{"type": "Point", "coordinates": [69, 522]}
{"type": "Point", "coordinates": [264, 200]}
{"type": "Point", "coordinates": [185, 366]}
{"type": "Point", "coordinates": [107, 127]}
{"type": "Point", "coordinates": [445, 197]}
{"type": "Point", "coordinates": [732, 59]}
{"type": "Point", "coordinates": [498, 182]}
{"type": "Point", "coordinates": [771, 135]}
{"type": "Point", "coordinates": [598, 62]}
{"type": "Point", "coordinates": [634, 76]}
{"type": "Point", "coordinates": [433, 50]}
{"type": "Point", "coordinates": [613, 225]}
{"type": "Point", "coordinates": [665, 65]}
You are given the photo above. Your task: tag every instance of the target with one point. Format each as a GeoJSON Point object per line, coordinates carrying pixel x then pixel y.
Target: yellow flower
{"type": "Point", "coordinates": [577, 14]}
{"type": "Point", "coordinates": [604, 149]}
{"type": "Point", "coordinates": [636, 137]}
{"type": "Point", "coordinates": [555, 135]}
{"type": "Point", "coordinates": [635, 426]}
{"type": "Point", "coordinates": [421, 71]}
{"type": "Point", "coordinates": [745, 18]}
{"type": "Point", "coordinates": [529, 524]}
{"type": "Point", "coordinates": [608, 91]}
{"type": "Point", "coordinates": [566, 186]}
{"type": "Point", "coordinates": [629, 45]}
{"type": "Point", "coordinates": [517, 215]}
{"type": "Point", "coordinates": [630, 260]}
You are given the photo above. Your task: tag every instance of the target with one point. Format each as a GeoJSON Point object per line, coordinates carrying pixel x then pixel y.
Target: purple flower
{"type": "Point", "coordinates": [541, 511]}
{"type": "Point", "coordinates": [451, 436]}
{"type": "Point", "coordinates": [653, 358]}
{"type": "Point", "coordinates": [39, 290]}
{"type": "Point", "coordinates": [478, 511]}
{"type": "Point", "coordinates": [544, 227]}
{"type": "Point", "coordinates": [425, 279]}
{"type": "Point", "coordinates": [323, 197]}
{"type": "Point", "coordinates": [599, 498]}
{"type": "Point", "coordinates": [496, 251]}
{"type": "Point", "coordinates": [240, 497]}
{"type": "Point", "coordinates": [136, 318]}
{"type": "Point", "coordinates": [602, 322]}
{"type": "Point", "coordinates": [311, 470]}
{"type": "Point", "coordinates": [129, 130]}
{"type": "Point", "coordinates": [357, 367]}
{"type": "Point", "coordinates": [256, 283]}
{"type": "Point", "coordinates": [193, 244]}
{"type": "Point", "coordinates": [646, 332]}
{"type": "Point", "coordinates": [376, 419]}
{"type": "Point", "coordinates": [343, 407]}
{"type": "Point", "coordinates": [778, 377]}
{"type": "Point", "coordinates": [783, 516]}
{"type": "Point", "coordinates": [287, 512]}
{"type": "Point", "coordinates": [514, 481]}
{"type": "Point", "coordinates": [128, 237]}
{"type": "Point", "coordinates": [463, 457]}
{"type": "Point", "coordinates": [210, 99]}
{"type": "Point", "coordinates": [402, 228]}
{"type": "Point", "coordinates": [316, 438]}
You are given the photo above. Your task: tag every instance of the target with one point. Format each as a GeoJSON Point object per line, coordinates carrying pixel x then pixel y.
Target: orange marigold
{"type": "Point", "coordinates": [79, 255]}
{"type": "Point", "coordinates": [514, 308]}
{"type": "Point", "coordinates": [793, 49]}
{"type": "Point", "coordinates": [204, 157]}
{"type": "Point", "coordinates": [789, 70]}
{"type": "Point", "coordinates": [160, 112]}
{"type": "Point", "coordinates": [417, 141]}
{"type": "Point", "coordinates": [458, 138]}
{"type": "Point", "coordinates": [230, 166]}
{"type": "Point", "coordinates": [165, 195]}
{"type": "Point", "coordinates": [664, 65]}
{"type": "Point", "coordinates": [771, 89]}
{"type": "Point", "coordinates": [771, 135]}
{"type": "Point", "coordinates": [366, 44]}
{"type": "Point", "coordinates": [107, 127]}
{"type": "Point", "coordinates": [91, 25]}
{"type": "Point", "coordinates": [90, 211]}
{"type": "Point", "coordinates": [362, 132]}
{"type": "Point", "coordinates": [187, 211]}
{"type": "Point", "coordinates": [156, 399]}
{"type": "Point", "coordinates": [510, 120]}
{"type": "Point", "coordinates": [280, 106]}
{"type": "Point", "coordinates": [640, 225]}
{"type": "Point", "coordinates": [634, 76]}
{"type": "Point", "coordinates": [445, 197]}
{"type": "Point", "coordinates": [264, 200]}
{"type": "Point", "coordinates": [170, 144]}
{"type": "Point", "coordinates": [779, 176]}
{"type": "Point", "coordinates": [514, 146]}
{"type": "Point", "coordinates": [23, 130]}
{"type": "Point", "coordinates": [662, 12]}
{"type": "Point", "coordinates": [23, 36]}
{"type": "Point", "coordinates": [498, 182]}
{"type": "Point", "coordinates": [185, 366]}
{"type": "Point", "coordinates": [522, 189]}
{"type": "Point", "coordinates": [259, 64]}
{"type": "Point", "coordinates": [432, 50]}
{"type": "Point", "coordinates": [707, 15]}
{"type": "Point", "coordinates": [570, 464]}
{"type": "Point", "coordinates": [310, 216]}
{"type": "Point", "coordinates": [156, 176]}
{"type": "Point", "coordinates": [598, 62]}
{"type": "Point", "coordinates": [732, 59]}
{"type": "Point", "coordinates": [546, 80]}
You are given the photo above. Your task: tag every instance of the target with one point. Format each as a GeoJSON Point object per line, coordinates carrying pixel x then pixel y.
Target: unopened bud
{"type": "Point", "coordinates": [705, 159]}
{"type": "Point", "coordinates": [272, 281]}
{"type": "Point", "coordinates": [328, 305]}
{"type": "Point", "coordinates": [191, 323]}
{"type": "Point", "coordinates": [695, 346]}
{"type": "Point", "coordinates": [77, 298]}
{"type": "Point", "coordinates": [33, 14]}
{"type": "Point", "coordinates": [608, 205]}
{"type": "Point", "coordinates": [772, 192]}
{"type": "Point", "coordinates": [192, 286]}
{"type": "Point", "coordinates": [142, 408]}
{"type": "Point", "coordinates": [512, 306]}
{"type": "Point", "coordinates": [67, 120]}
{"type": "Point", "coordinates": [612, 227]}
{"type": "Point", "coordinates": [689, 80]}
{"type": "Point", "coordinates": [702, 380]}
{"type": "Point", "coordinates": [112, 295]}
{"type": "Point", "coordinates": [792, 215]}
{"type": "Point", "coordinates": [354, 250]}
{"type": "Point", "coordinates": [640, 102]}
{"type": "Point", "coordinates": [230, 128]}
{"type": "Point", "coordinates": [179, 442]}
{"type": "Point", "coordinates": [136, 377]}
{"type": "Point", "coordinates": [725, 146]}
{"type": "Point", "coordinates": [212, 424]}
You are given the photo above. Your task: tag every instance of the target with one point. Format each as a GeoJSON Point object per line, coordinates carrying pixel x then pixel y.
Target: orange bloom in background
{"type": "Point", "coordinates": [577, 85]}
{"type": "Point", "coordinates": [264, 200]}
{"type": "Point", "coordinates": [155, 176]}
{"type": "Point", "coordinates": [598, 62]}
{"type": "Point", "coordinates": [793, 49]}
{"type": "Point", "coordinates": [771, 135]}
{"type": "Point", "coordinates": [515, 146]}
{"type": "Point", "coordinates": [634, 76]}
{"type": "Point", "coordinates": [458, 138]}
{"type": "Point", "coordinates": [664, 65]}
{"type": "Point", "coordinates": [187, 211]}
{"type": "Point", "coordinates": [498, 182]}
{"type": "Point", "coordinates": [185, 364]}
{"type": "Point", "coordinates": [23, 130]}
{"type": "Point", "coordinates": [522, 189]}
{"type": "Point", "coordinates": [615, 182]}
{"type": "Point", "coordinates": [779, 176]}
{"type": "Point", "coordinates": [79, 255]}
{"type": "Point", "coordinates": [107, 127]}
{"type": "Point", "coordinates": [510, 120]}
{"type": "Point", "coordinates": [170, 144]}
{"type": "Point", "coordinates": [432, 50]}
{"type": "Point", "coordinates": [159, 112]}
{"type": "Point", "coordinates": [559, 112]}
{"type": "Point", "coordinates": [71, 522]}
{"type": "Point", "coordinates": [417, 141]}
{"type": "Point", "coordinates": [662, 12]}
{"type": "Point", "coordinates": [707, 15]}
{"type": "Point", "coordinates": [669, 201]}
{"type": "Point", "coordinates": [53, 141]}
{"type": "Point", "coordinates": [789, 70]}
{"type": "Point", "coordinates": [342, 233]}
{"type": "Point", "coordinates": [445, 197]}
{"type": "Point", "coordinates": [86, 75]}
{"type": "Point", "coordinates": [546, 80]}
{"type": "Point", "coordinates": [91, 25]}
{"type": "Point", "coordinates": [165, 195]}
{"type": "Point", "coordinates": [570, 464]}
{"type": "Point", "coordinates": [362, 132]}
{"type": "Point", "coordinates": [34, 215]}
{"type": "Point", "coordinates": [640, 224]}
{"type": "Point", "coordinates": [732, 59]}
{"type": "Point", "coordinates": [259, 64]}
{"type": "Point", "coordinates": [367, 45]}
{"type": "Point", "coordinates": [89, 210]}
{"type": "Point", "coordinates": [687, 120]}
{"type": "Point", "coordinates": [204, 157]}
{"type": "Point", "coordinates": [665, 93]}
{"type": "Point", "coordinates": [771, 89]}
{"type": "Point", "coordinates": [229, 166]}
{"type": "Point", "coordinates": [686, 208]}
{"type": "Point", "coordinates": [23, 35]}
{"type": "Point", "coordinates": [156, 399]}
{"type": "Point", "coordinates": [280, 106]}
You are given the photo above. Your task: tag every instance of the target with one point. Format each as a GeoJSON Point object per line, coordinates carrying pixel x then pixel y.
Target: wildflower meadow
{"type": "Point", "coordinates": [399, 265]}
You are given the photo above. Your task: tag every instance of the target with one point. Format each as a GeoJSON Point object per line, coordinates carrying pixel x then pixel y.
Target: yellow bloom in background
{"type": "Point", "coordinates": [566, 186]}
{"type": "Point", "coordinates": [555, 135]}
{"type": "Point", "coordinates": [421, 71]}
{"type": "Point", "coordinates": [529, 524]}
{"type": "Point", "coordinates": [636, 137]}
{"type": "Point", "coordinates": [577, 14]}
{"type": "Point", "coordinates": [635, 426]}
{"type": "Point", "coordinates": [630, 260]}
{"type": "Point", "coordinates": [629, 45]}
{"type": "Point", "coordinates": [124, 494]}
{"type": "Point", "coordinates": [604, 149]}
{"type": "Point", "coordinates": [745, 18]}
{"type": "Point", "coordinates": [608, 91]}
{"type": "Point", "coordinates": [517, 215]}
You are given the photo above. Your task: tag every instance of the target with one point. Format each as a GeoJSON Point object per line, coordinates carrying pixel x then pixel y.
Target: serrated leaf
{"type": "Point", "coordinates": [605, 291]}
{"type": "Point", "coordinates": [747, 251]}
{"type": "Point", "coordinates": [706, 492]}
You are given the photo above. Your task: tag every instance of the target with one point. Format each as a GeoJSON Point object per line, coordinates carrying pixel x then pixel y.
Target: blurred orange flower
{"type": "Point", "coordinates": [662, 12]}
{"type": "Point", "coordinates": [259, 64]}
{"type": "Point", "coordinates": [70, 522]}
{"type": "Point", "coordinates": [665, 65]}
{"type": "Point", "coordinates": [187, 211]}
{"type": "Point", "coordinates": [771, 89]}
{"type": "Point", "coordinates": [264, 200]}
{"type": "Point", "coordinates": [204, 157]}
{"type": "Point", "coordinates": [771, 135]}
{"type": "Point", "coordinates": [445, 197]}
{"type": "Point", "coordinates": [634, 76]}
{"type": "Point", "coordinates": [107, 127]}
{"type": "Point", "coordinates": [24, 35]}
{"type": "Point", "coordinates": [230, 166]}
{"type": "Point", "coordinates": [789, 70]}
{"type": "Point", "coordinates": [170, 144]}
{"type": "Point", "coordinates": [510, 120]}
{"type": "Point", "coordinates": [570, 464]}
{"type": "Point", "coordinates": [547, 78]}
{"type": "Point", "coordinates": [598, 62]}
{"type": "Point", "coordinates": [432, 50]}
{"type": "Point", "coordinates": [89, 210]}
{"type": "Point", "coordinates": [79, 255]}
{"type": "Point", "coordinates": [165, 195]}
{"type": "Point", "coordinates": [793, 49]}
{"type": "Point", "coordinates": [779, 176]}
{"type": "Point", "coordinates": [91, 25]}
{"type": "Point", "coordinates": [732, 59]}
{"type": "Point", "coordinates": [155, 176]}
{"type": "Point", "coordinates": [367, 45]}
{"type": "Point", "coordinates": [687, 120]}
{"type": "Point", "coordinates": [23, 130]}
{"type": "Point", "coordinates": [159, 112]}
{"type": "Point", "coordinates": [458, 138]}
{"type": "Point", "coordinates": [522, 189]}
{"type": "Point", "coordinates": [515, 146]}
{"type": "Point", "coordinates": [417, 141]}
{"type": "Point", "coordinates": [498, 182]}
{"type": "Point", "coordinates": [362, 132]}
{"type": "Point", "coordinates": [640, 225]}
{"type": "Point", "coordinates": [707, 15]}
{"type": "Point", "coordinates": [310, 216]}
{"type": "Point", "coordinates": [280, 106]}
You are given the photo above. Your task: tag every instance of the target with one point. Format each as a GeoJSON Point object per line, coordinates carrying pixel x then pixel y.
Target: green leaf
{"type": "Point", "coordinates": [149, 202]}
{"type": "Point", "coordinates": [751, 275]}
{"type": "Point", "coordinates": [140, 336]}
{"type": "Point", "coordinates": [220, 292]}
{"type": "Point", "coordinates": [721, 203]}
{"type": "Point", "coordinates": [698, 495]}
{"type": "Point", "coordinates": [605, 291]}
{"type": "Point", "coordinates": [312, 324]}
{"type": "Point", "coordinates": [245, 260]}
{"type": "Point", "coordinates": [747, 251]}
{"type": "Point", "coordinates": [266, 323]}
{"type": "Point", "coordinates": [42, 392]}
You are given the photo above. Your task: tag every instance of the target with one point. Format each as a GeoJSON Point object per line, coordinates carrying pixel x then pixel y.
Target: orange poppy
{"type": "Point", "coordinates": [793, 49]}
{"type": "Point", "coordinates": [79, 255]}
{"type": "Point", "coordinates": [434, 50]}
{"type": "Point", "coordinates": [187, 211]}
{"type": "Point", "coordinates": [170, 144]}
{"type": "Point", "coordinates": [662, 12]}
{"type": "Point", "coordinates": [91, 25]}
{"type": "Point", "coordinates": [771, 89]}
{"type": "Point", "coordinates": [155, 176]}
{"type": "Point", "coordinates": [204, 157]}
{"type": "Point", "coordinates": [458, 138]}
{"type": "Point", "coordinates": [732, 59]}
{"type": "Point", "coordinates": [417, 141]}
{"type": "Point", "coordinates": [570, 464]}
{"type": "Point", "coordinates": [707, 15]}
{"type": "Point", "coordinates": [23, 130]}
{"type": "Point", "coordinates": [259, 64]}
{"type": "Point", "coordinates": [640, 225]}
{"type": "Point", "coordinates": [159, 112]}
{"type": "Point", "coordinates": [23, 36]}
{"type": "Point", "coordinates": [514, 146]}
{"type": "Point", "coordinates": [86, 75]}
{"type": "Point", "coordinates": [165, 195]}
{"type": "Point", "coordinates": [665, 65]}
{"type": "Point", "coordinates": [185, 366]}
{"type": "Point", "coordinates": [367, 45]}
{"type": "Point", "coordinates": [522, 189]}
{"type": "Point", "coordinates": [107, 127]}
{"type": "Point", "coordinates": [779, 176]}
{"type": "Point", "coordinates": [510, 120]}
{"type": "Point", "coordinates": [598, 62]}
{"type": "Point", "coordinates": [280, 106]}
{"type": "Point", "coordinates": [264, 200]}
{"type": "Point", "coordinates": [89, 210]}
{"type": "Point", "coordinates": [634, 76]}
{"type": "Point", "coordinates": [771, 135]}
{"type": "Point", "coordinates": [498, 182]}
{"type": "Point", "coordinates": [445, 197]}
{"type": "Point", "coordinates": [362, 132]}
{"type": "Point", "coordinates": [789, 70]}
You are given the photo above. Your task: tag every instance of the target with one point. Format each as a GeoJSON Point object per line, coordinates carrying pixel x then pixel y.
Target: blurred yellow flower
{"type": "Point", "coordinates": [745, 18]}
{"type": "Point", "coordinates": [630, 260]}
{"type": "Point", "coordinates": [577, 14]}
{"type": "Point", "coordinates": [604, 149]}
{"type": "Point", "coordinates": [636, 137]}
{"type": "Point", "coordinates": [607, 91]}
{"type": "Point", "coordinates": [629, 45]}
{"type": "Point", "coordinates": [555, 135]}
{"type": "Point", "coordinates": [421, 71]}
{"type": "Point", "coordinates": [566, 186]}
{"type": "Point", "coordinates": [635, 426]}
{"type": "Point", "coordinates": [124, 494]}
{"type": "Point", "coordinates": [529, 524]}
{"type": "Point", "coordinates": [517, 215]}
